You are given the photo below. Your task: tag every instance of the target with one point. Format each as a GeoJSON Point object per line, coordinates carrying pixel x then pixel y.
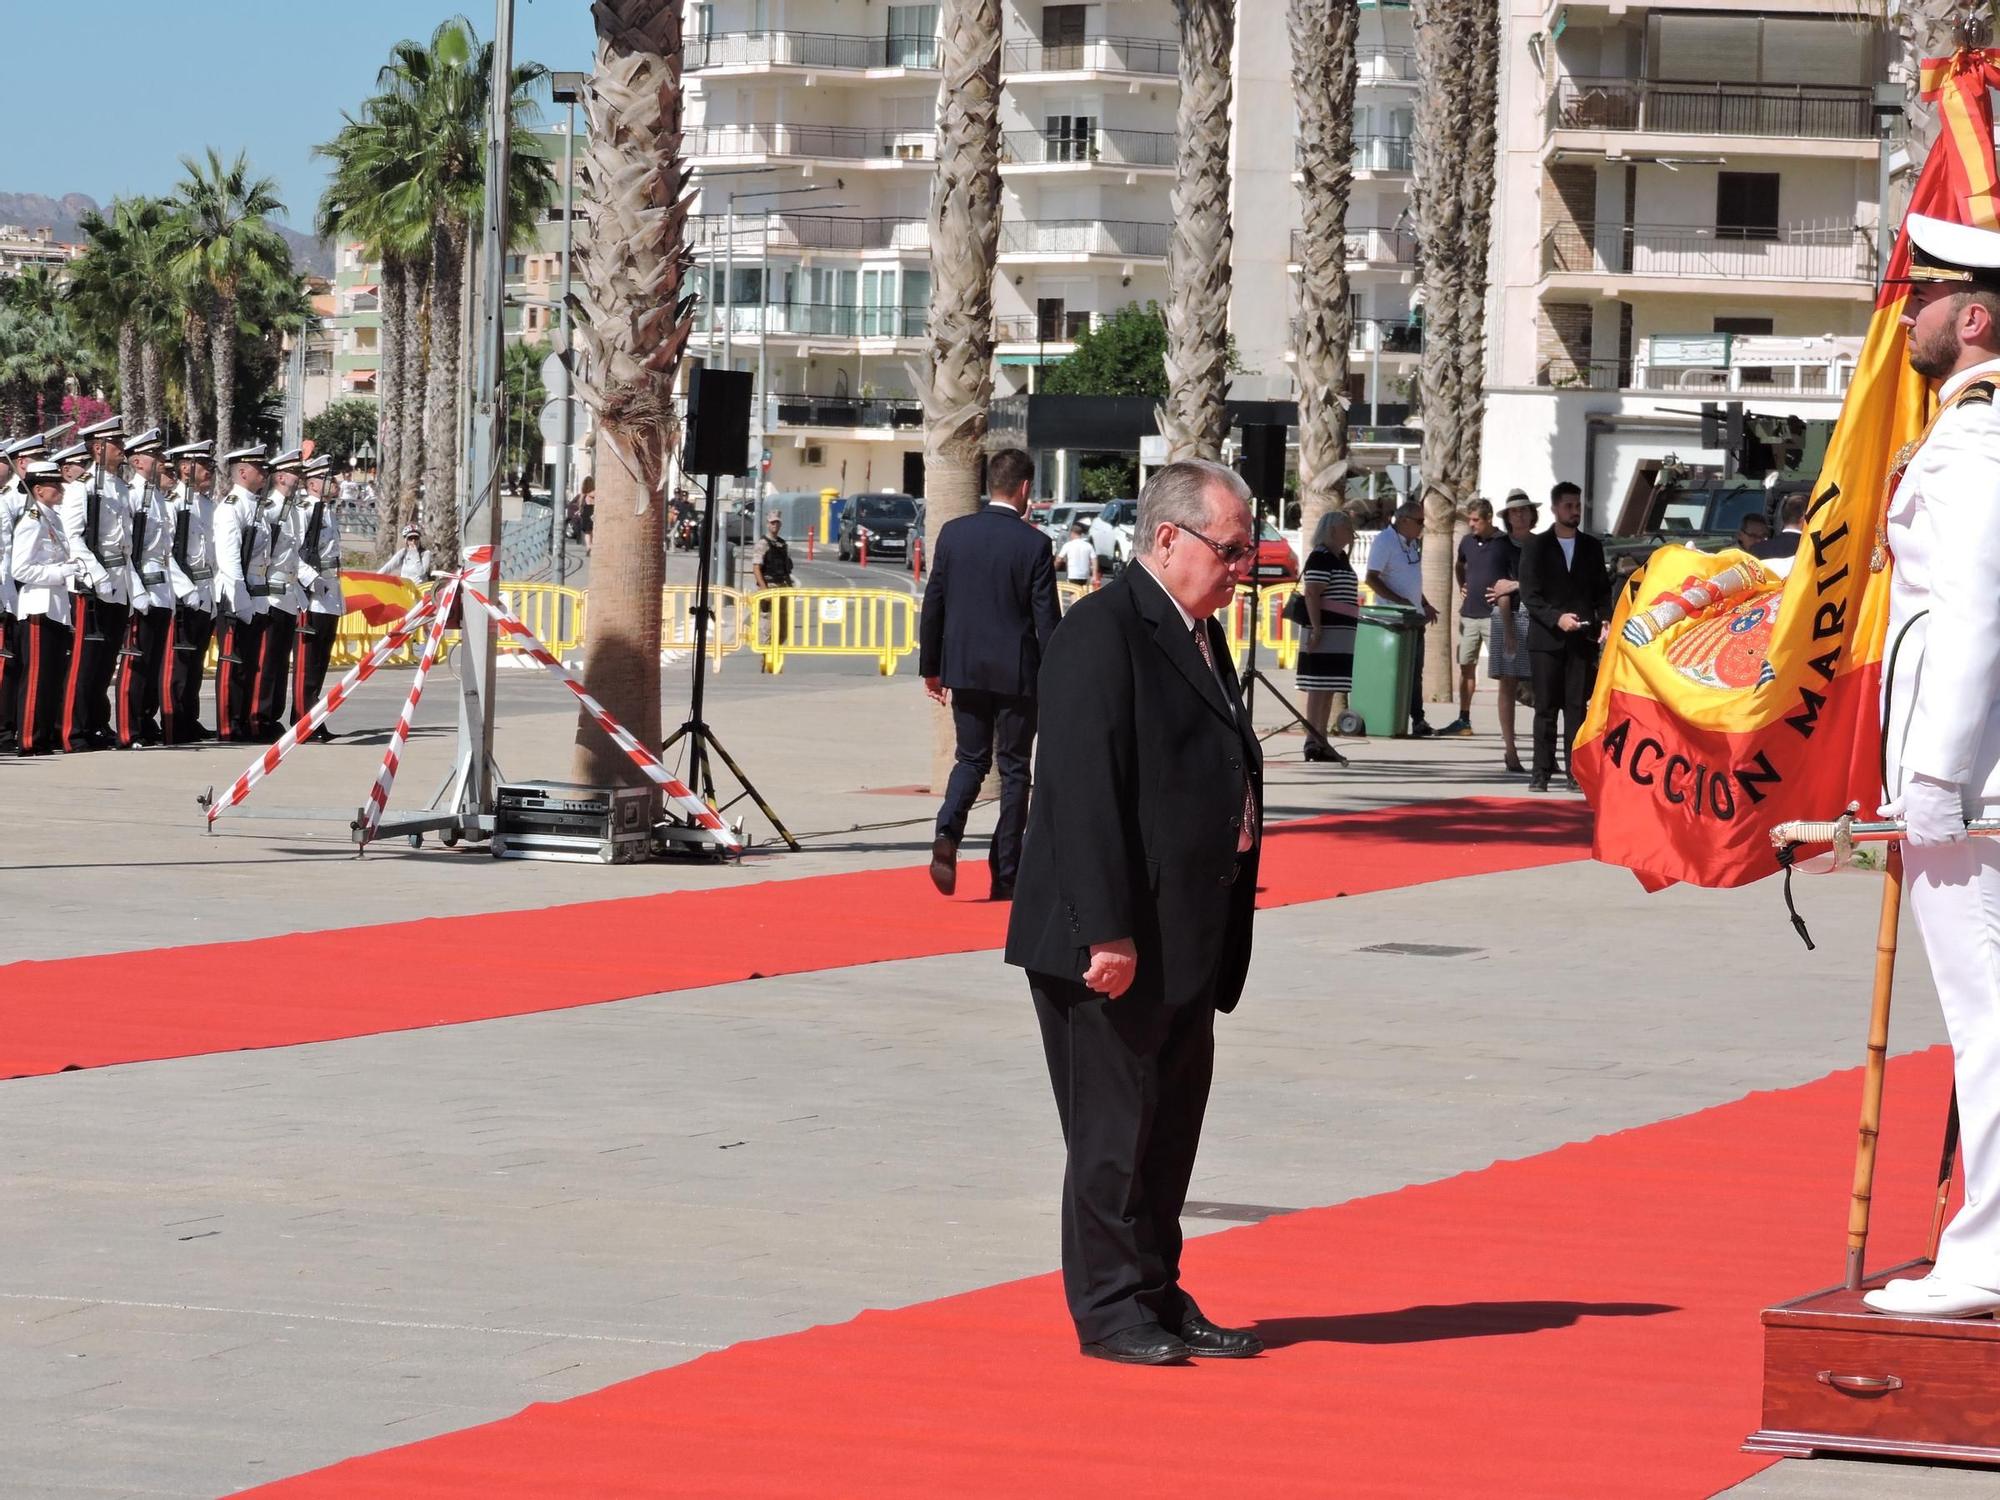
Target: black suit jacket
{"type": "Point", "coordinates": [1138, 803]}
{"type": "Point", "coordinates": [1551, 588]}
{"type": "Point", "coordinates": [1785, 544]}
{"type": "Point", "coordinates": [989, 604]}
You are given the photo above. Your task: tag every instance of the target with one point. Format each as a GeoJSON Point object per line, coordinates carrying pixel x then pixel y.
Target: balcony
{"type": "Point", "coordinates": [1670, 107]}
{"type": "Point", "coordinates": [1372, 336]}
{"type": "Point", "coordinates": [1376, 65]}
{"type": "Point", "coordinates": [1833, 260]}
{"type": "Point", "coordinates": [1043, 332]}
{"type": "Point", "coordinates": [1023, 58]}
{"type": "Point", "coordinates": [708, 234]}
{"type": "Point", "coordinates": [1083, 239]}
{"type": "Point", "coordinates": [846, 411]}
{"type": "Point", "coordinates": [1382, 153]}
{"type": "Point", "coordinates": [871, 145]}
{"type": "Point", "coordinates": [1119, 150]}
{"type": "Point", "coordinates": [1367, 246]}
{"type": "Point", "coordinates": [809, 52]}
{"type": "Point", "coordinates": [812, 320]}
{"type": "Point", "coordinates": [1791, 382]}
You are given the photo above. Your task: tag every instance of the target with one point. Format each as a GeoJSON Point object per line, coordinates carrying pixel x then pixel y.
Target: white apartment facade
{"type": "Point", "coordinates": [819, 117]}
{"type": "Point", "coordinates": [1687, 212]}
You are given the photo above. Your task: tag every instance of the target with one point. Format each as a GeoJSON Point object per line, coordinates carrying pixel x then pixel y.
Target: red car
{"type": "Point", "coordinates": [1276, 562]}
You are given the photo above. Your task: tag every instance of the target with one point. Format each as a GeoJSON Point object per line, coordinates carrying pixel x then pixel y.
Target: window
{"type": "Point", "coordinates": [912, 39]}
{"type": "Point", "coordinates": [1062, 25]}
{"type": "Point", "coordinates": [1746, 205]}
{"type": "Point", "coordinates": [1070, 137]}
{"type": "Point", "coordinates": [516, 264]}
{"type": "Point", "coordinates": [1049, 319]}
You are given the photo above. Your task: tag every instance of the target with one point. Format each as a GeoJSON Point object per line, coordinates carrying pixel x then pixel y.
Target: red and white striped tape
{"type": "Point", "coordinates": [648, 763]}
{"type": "Point", "coordinates": [392, 758]}
{"type": "Point", "coordinates": [323, 710]}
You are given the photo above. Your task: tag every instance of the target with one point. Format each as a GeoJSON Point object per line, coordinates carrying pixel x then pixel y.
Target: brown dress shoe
{"type": "Point", "coordinates": [944, 864]}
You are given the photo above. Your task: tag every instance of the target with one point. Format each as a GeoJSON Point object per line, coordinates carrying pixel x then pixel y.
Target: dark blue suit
{"type": "Point", "coordinates": [989, 610]}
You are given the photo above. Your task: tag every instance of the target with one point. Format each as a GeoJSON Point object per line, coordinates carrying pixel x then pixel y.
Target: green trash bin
{"type": "Point", "coordinates": [1385, 659]}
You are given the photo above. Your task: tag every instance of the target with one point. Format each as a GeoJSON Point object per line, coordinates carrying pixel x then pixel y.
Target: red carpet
{"type": "Point", "coordinates": [129, 1007]}
{"type": "Point", "coordinates": [1579, 1324]}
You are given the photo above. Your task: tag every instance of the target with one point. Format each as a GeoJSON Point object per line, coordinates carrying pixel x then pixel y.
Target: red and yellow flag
{"type": "Point", "coordinates": [1730, 700]}
{"type": "Point", "coordinates": [379, 598]}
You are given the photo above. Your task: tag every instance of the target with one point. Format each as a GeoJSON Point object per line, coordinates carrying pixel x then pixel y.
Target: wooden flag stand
{"type": "Point", "coordinates": [1839, 1378]}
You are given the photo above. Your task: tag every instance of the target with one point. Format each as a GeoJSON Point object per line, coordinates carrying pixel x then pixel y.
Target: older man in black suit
{"type": "Point", "coordinates": [1566, 590]}
{"type": "Point", "coordinates": [1133, 915]}
{"type": "Point", "coordinates": [989, 610]}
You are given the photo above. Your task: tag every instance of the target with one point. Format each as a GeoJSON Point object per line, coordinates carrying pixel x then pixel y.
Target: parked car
{"type": "Point", "coordinates": [1276, 562]}
{"type": "Point", "coordinates": [885, 521]}
{"type": "Point", "coordinates": [1112, 535]}
{"type": "Point", "coordinates": [1038, 514]}
{"type": "Point", "coordinates": [1063, 515]}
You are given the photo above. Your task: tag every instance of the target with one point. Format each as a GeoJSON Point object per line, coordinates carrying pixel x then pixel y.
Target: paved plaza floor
{"type": "Point", "coordinates": [218, 1270]}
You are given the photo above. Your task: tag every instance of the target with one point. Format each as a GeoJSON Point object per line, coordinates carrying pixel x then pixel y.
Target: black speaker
{"type": "Point", "coordinates": [718, 422]}
{"type": "Point", "coordinates": [1262, 462]}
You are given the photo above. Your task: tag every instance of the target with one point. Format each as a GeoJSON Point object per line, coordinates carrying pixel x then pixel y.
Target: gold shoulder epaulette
{"type": "Point", "coordinates": [1979, 390]}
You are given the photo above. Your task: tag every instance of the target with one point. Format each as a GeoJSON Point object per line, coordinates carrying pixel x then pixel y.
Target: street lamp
{"type": "Point", "coordinates": [565, 89]}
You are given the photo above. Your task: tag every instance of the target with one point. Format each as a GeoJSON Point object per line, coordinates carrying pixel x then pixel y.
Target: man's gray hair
{"type": "Point", "coordinates": [1331, 524]}
{"type": "Point", "coordinates": [1409, 510]}
{"type": "Point", "coordinates": [1178, 495]}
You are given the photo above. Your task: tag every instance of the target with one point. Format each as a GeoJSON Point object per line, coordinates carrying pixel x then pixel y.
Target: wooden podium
{"type": "Point", "coordinates": [1840, 1378]}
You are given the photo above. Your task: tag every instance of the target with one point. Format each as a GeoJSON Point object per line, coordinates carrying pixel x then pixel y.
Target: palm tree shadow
{"type": "Point", "coordinates": [1458, 1320]}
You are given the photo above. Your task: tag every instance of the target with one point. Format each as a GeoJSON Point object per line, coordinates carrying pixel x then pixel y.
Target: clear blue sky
{"type": "Point", "coordinates": [143, 82]}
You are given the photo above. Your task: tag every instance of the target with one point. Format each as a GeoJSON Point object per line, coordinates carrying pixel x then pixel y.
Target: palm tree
{"type": "Point", "coordinates": [1194, 419]}
{"type": "Point", "coordinates": [1441, 115]}
{"type": "Point", "coordinates": [99, 290]}
{"type": "Point", "coordinates": [20, 371]}
{"type": "Point", "coordinates": [1323, 77]}
{"type": "Point", "coordinates": [1480, 47]}
{"type": "Point", "coordinates": [965, 241]}
{"type": "Point", "coordinates": [634, 264]}
{"type": "Point", "coordinates": [46, 350]}
{"type": "Point", "coordinates": [433, 102]}
{"type": "Point", "coordinates": [224, 207]}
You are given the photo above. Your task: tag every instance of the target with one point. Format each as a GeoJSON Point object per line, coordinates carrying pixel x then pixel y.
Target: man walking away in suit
{"type": "Point", "coordinates": [989, 609]}
{"type": "Point", "coordinates": [1785, 545]}
{"type": "Point", "coordinates": [1567, 593]}
{"type": "Point", "coordinates": [1138, 885]}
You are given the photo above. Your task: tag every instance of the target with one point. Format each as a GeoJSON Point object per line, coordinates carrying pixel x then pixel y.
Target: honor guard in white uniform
{"type": "Point", "coordinates": [43, 572]}
{"type": "Point", "coordinates": [14, 458]}
{"type": "Point", "coordinates": [191, 567]}
{"type": "Point", "coordinates": [97, 522]}
{"type": "Point", "coordinates": [1941, 720]}
{"type": "Point", "coordinates": [243, 599]}
{"type": "Point", "coordinates": [278, 515]}
{"type": "Point", "coordinates": [141, 684]}
{"type": "Point", "coordinates": [319, 577]}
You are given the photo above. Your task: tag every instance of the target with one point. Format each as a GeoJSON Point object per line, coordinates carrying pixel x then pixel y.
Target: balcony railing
{"type": "Point", "coordinates": [813, 320]}
{"type": "Point", "coordinates": [1631, 375]}
{"type": "Point", "coordinates": [1382, 153]}
{"type": "Point", "coordinates": [1033, 329]}
{"type": "Point", "coordinates": [1830, 253]}
{"type": "Point", "coordinates": [1368, 246]}
{"type": "Point", "coordinates": [708, 234]}
{"type": "Point", "coordinates": [1370, 335]}
{"type": "Point", "coordinates": [1673, 107]}
{"type": "Point", "coordinates": [818, 142]}
{"type": "Point", "coordinates": [1585, 375]}
{"type": "Point", "coordinates": [1396, 64]}
{"type": "Point", "coordinates": [809, 49]}
{"type": "Point", "coordinates": [1154, 56]}
{"type": "Point", "coordinates": [847, 411]}
{"type": "Point", "coordinates": [1113, 238]}
{"type": "Point", "coordinates": [1117, 148]}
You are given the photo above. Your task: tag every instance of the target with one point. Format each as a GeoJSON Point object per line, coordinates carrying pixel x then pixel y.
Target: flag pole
{"type": "Point", "coordinates": [1878, 1062]}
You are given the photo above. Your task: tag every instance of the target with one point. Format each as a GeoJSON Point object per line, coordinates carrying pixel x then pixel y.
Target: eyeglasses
{"type": "Point", "coordinates": [1232, 554]}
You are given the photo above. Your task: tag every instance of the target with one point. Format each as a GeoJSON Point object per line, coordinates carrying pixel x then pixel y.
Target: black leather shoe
{"type": "Point", "coordinates": [1206, 1341]}
{"type": "Point", "coordinates": [1569, 784]}
{"type": "Point", "coordinates": [1147, 1344]}
{"type": "Point", "coordinates": [1538, 784]}
{"type": "Point", "coordinates": [1003, 890]}
{"type": "Point", "coordinates": [944, 864]}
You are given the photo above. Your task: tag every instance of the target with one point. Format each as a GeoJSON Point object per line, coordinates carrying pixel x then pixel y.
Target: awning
{"type": "Point", "coordinates": [362, 291]}
{"type": "Point", "coordinates": [355, 377]}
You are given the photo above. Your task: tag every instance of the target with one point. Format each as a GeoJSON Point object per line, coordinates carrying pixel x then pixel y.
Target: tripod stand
{"type": "Point", "coordinates": [1253, 674]}
{"type": "Point", "coordinates": [701, 739]}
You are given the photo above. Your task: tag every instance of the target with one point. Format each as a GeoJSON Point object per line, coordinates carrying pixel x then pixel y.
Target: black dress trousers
{"type": "Point", "coordinates": [990, 728]}
{"type": "Point", "coordinates": [1131, 1081]}
{"type": "Point", "coordinates": [1562, 681]}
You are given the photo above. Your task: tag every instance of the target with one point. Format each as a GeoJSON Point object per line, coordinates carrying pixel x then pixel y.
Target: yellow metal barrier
{"type": "Point", "coordinates": [881, 623]}
{"type": "Point", "coordinates": [1068, 593]}
{"type": "Point", "coordinates": [728, 630]}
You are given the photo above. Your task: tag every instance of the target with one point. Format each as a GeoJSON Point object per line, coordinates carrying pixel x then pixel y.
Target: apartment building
{"type": "Point", "coordinates": [1688, 211]}
{"type": "Point", "coordinates": [812, 132]}
{"type": "Point", "coordinates": [21, 248]}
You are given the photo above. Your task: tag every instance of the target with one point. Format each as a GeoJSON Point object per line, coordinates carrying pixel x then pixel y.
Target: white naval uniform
{"type": "Point", "coordinates": [192, 573]}
{"type": "Point", "coordinates": [41, 565]}
{"type": "Point", "coordinates": [319, 585]}
{"type": "Point", "coordinates": [242, 556]}
{"type": "Point", "coordinates": [13, 501]}
{"type": "Point", "coordinates": [1942, 720]}
{"type": "Point", "coordinates": [279, 517]}
{"type": "Point", "coordinates": [150, 584]}
{"type": "Point", "coordinates": [108, 568]}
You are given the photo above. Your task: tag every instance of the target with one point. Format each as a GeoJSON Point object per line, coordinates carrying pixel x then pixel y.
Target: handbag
{"type": "Point", "coordinates": [1296, 611]}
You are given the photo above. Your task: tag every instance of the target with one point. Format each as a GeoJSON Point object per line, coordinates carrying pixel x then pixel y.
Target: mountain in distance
{"type": "Point", "coordinates": [38, 210]}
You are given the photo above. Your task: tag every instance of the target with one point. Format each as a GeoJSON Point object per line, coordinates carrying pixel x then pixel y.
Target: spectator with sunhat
{"type": "Point", "coordinates": [43, 574]}
{"type": "Point", "coordinates": [191, 566]}
{"type": "Point", "coordinates": [143, 663]}
{"type": "Point", "coordinates": [242, 564]}
{"type": "Point", "coordinates": [410, 562]}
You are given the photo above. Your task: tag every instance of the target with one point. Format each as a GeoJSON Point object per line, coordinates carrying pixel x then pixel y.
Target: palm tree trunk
{"type": "Point", "coordinates": [416, 361]}
{"type": "Point", "coordinates": [1480, 136]}
{"type": "Point", "coordinates": [153, 379]}
{"type": "Point", "coordinates": [439, 514]}
{"type": "Point", "coordinates": [389, 398]}
{"type": "Point", "coordinates": [633, 261]}
{"type": "Point", "coordinates": [1323, 78]}
{"type": "Point", "coordinates": [1438, 168]}
{"type": "Point", "coordinates": [222, 362]}
{"type": "Point", "coordinates": [131, 384]}
{"type": "Point", "coordinates": [192, 340]}
{"type": "Point", "coordinates": [1194, 419]}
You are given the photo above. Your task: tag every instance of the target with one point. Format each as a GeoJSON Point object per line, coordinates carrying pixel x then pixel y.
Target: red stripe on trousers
{"type": "Point", "coordinates": [125, 659]}
{"type": "Point", "coordinates": [167, 677]}
{"type": "Point", "coordinates": [222, 666]}
{"type": "Point", "coordinates": [31, 703]}
{"type": "Point", "coordinates": [77, 629]}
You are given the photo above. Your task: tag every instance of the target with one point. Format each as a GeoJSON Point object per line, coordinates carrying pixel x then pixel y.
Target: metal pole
{"type": "Point", "coordinates": [560, 499]}
{"type": "Point", "coordinates": [763, 354]}
{"type": "Point", "coordinates": [1375, 375]}
{"type": "Point", "coordinates": [728, 276]}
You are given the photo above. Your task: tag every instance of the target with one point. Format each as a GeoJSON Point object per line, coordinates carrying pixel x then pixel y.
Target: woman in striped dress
{"type": "Point", "coordinates": [1331, 599]}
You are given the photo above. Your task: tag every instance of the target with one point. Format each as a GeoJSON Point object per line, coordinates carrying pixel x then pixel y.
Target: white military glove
{"type": "Point", "coordinates": [1931, 811]}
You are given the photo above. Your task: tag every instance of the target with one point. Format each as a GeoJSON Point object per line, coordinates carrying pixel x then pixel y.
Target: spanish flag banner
{"type": "Point", "coordinates": [1731, 698]}
{"type": "Point", "coordinates": [379, 598]}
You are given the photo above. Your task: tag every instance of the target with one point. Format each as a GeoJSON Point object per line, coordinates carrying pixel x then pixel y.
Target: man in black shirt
{"type": "Point", "coordinates": [1485, 556]}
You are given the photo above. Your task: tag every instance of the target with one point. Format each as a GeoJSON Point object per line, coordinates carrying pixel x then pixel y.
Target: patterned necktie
{"type": "Point", "coordinates": [1246, 836]}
